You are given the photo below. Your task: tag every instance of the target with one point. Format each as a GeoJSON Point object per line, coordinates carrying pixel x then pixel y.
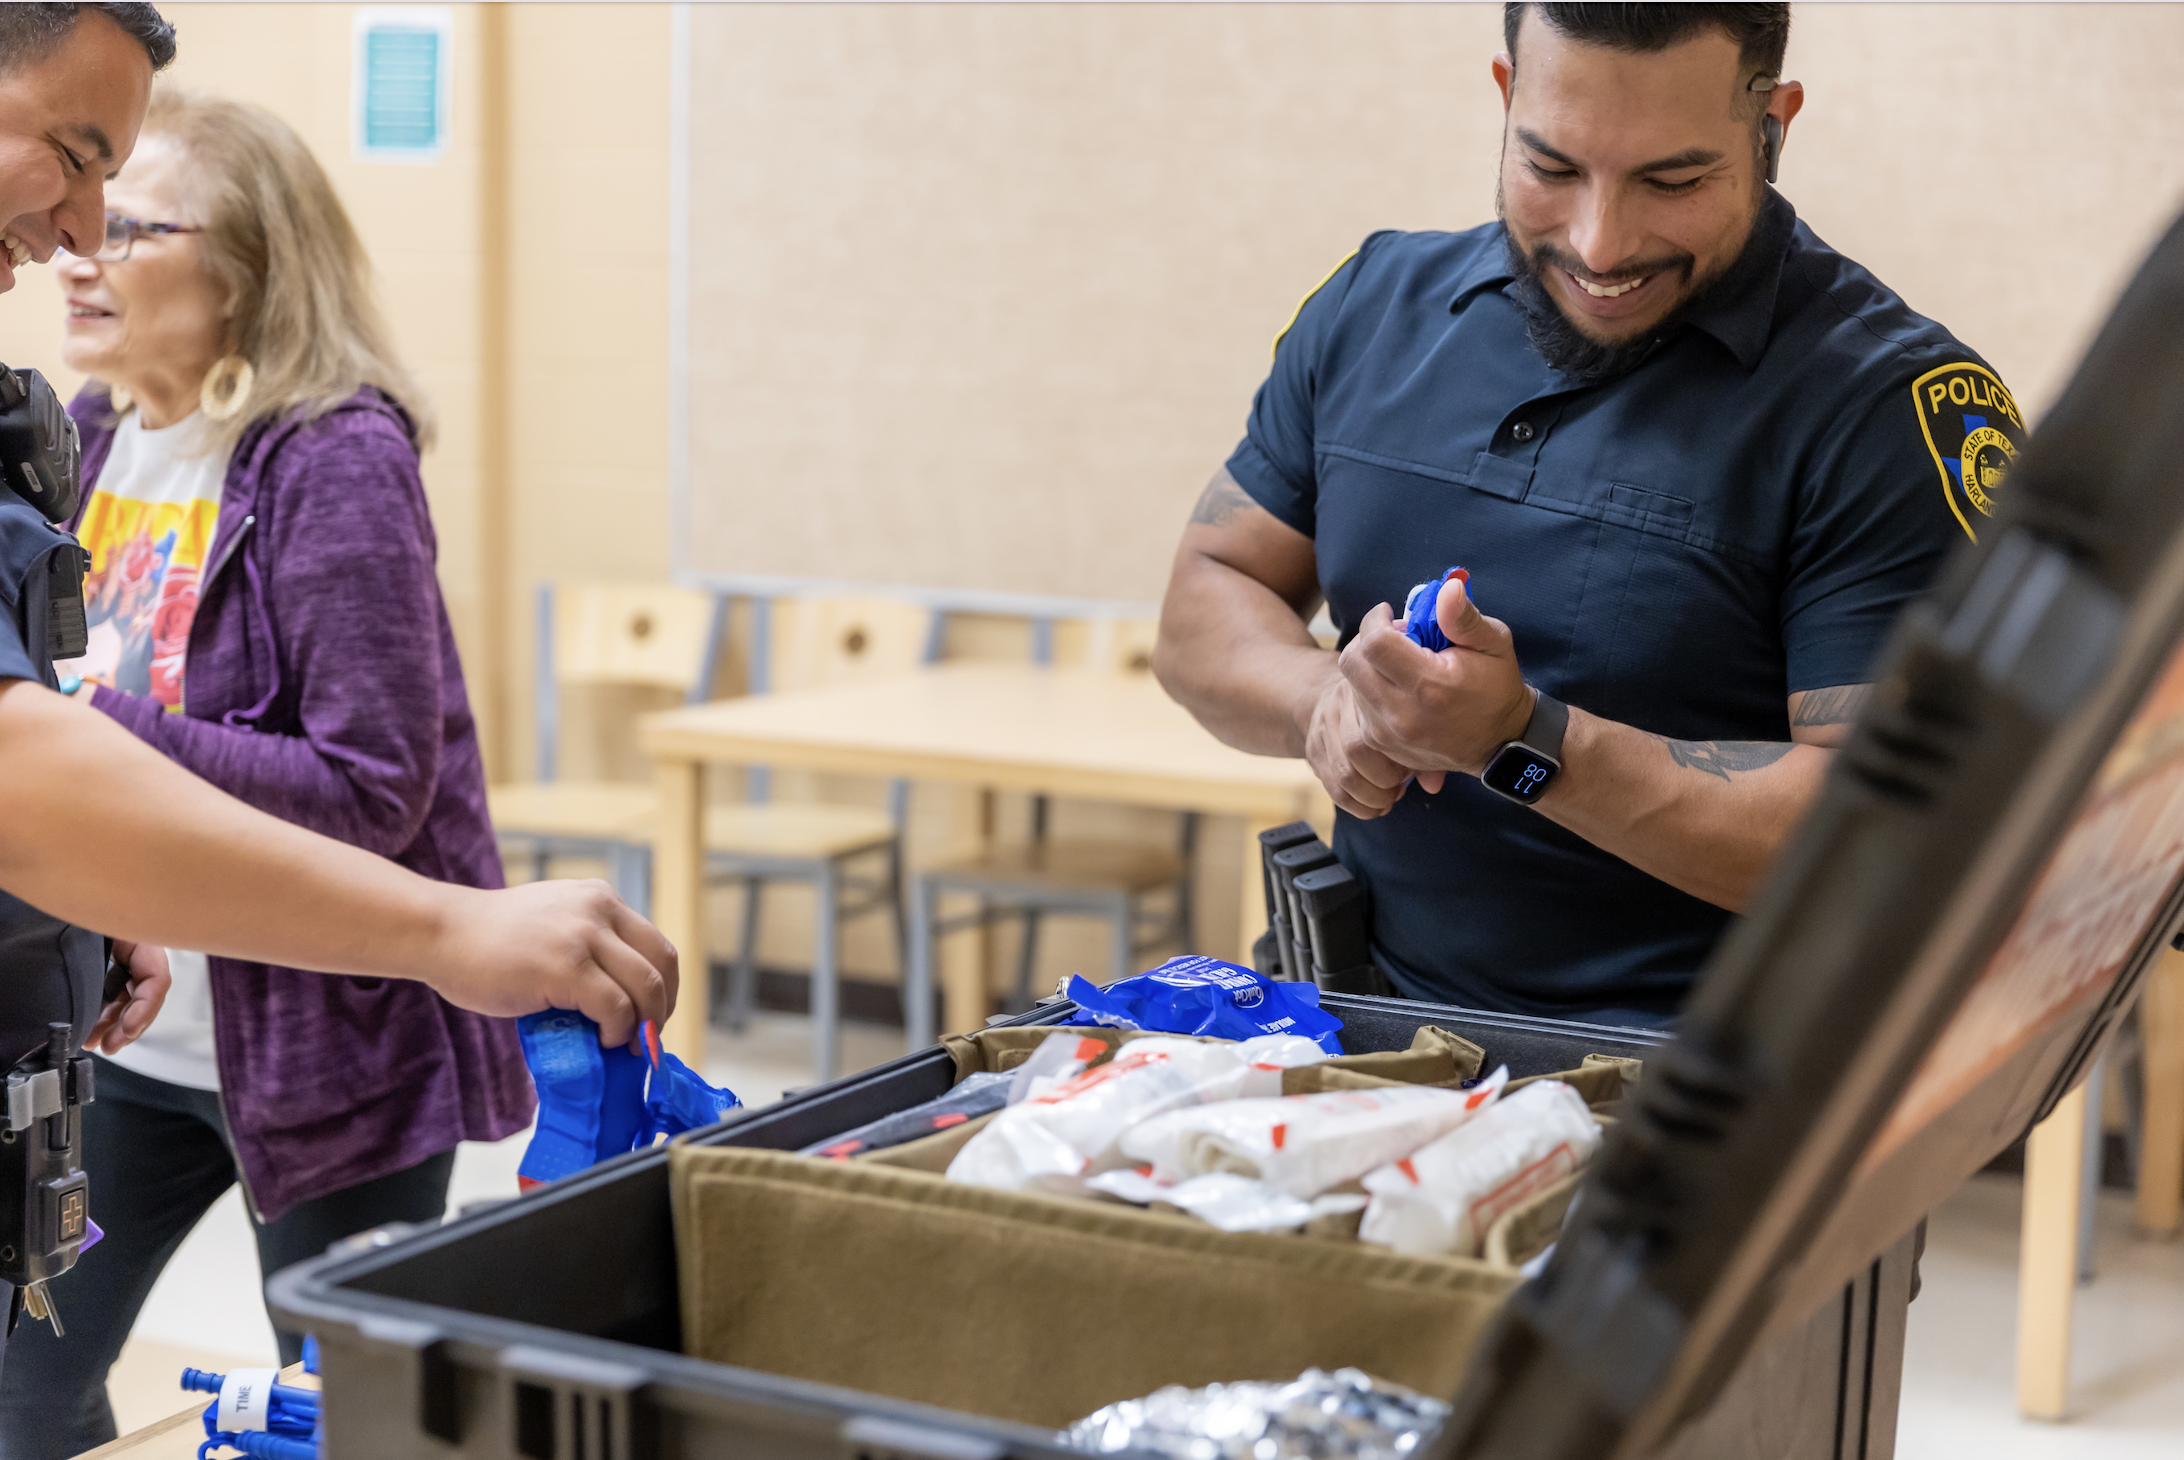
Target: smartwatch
{"type": "Point", "coordinates": [1522, 770]}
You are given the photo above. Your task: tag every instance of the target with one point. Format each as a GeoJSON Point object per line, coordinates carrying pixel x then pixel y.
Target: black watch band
{"type": "Point", "coordinates": [1550, 721]}
{"type": "Point", "coordinates": [1522, 770]}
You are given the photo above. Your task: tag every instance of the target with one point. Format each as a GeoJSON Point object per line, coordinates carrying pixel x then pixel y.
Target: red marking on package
{"type": "Point", "coordinates": [1120, 1064]}
{"type": "Point", "coordinates": [1281, 1136]}
{"type": "Point", "coordinates": [1473, 1101]}
{"type": "Point", "coordinates": [1090, 1049]}
{"type": "Point", "coordinates": [842, 1150]}
{"type": "Point", "coordinates": [1408, 1169]}
{"type": "Point", "coordinates": [953, 1117]}
{"type": "Point", "coordinates": [1529, 1182]}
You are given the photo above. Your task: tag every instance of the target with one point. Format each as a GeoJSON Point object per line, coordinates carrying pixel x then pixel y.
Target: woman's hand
{"type": "Point", "coordinates": [131, 1014]}
{"type": "Point", "coordinates": [553, 945]}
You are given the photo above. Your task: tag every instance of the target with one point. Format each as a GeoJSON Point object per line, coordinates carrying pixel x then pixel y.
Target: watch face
{"type": "Point", "coordinates": [1520, 773]}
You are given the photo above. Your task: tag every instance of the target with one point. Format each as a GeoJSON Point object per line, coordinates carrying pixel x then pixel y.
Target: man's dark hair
{"type": "Point", "coordinates": [1762, 32]}
{"type": "Point", "coordinates": [30, 33]}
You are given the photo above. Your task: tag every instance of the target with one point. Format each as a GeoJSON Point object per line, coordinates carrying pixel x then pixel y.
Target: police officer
{"type": "Point", "coordinates": [1694, 460]}
{"type": "Point", "coordinates": [101, 831]}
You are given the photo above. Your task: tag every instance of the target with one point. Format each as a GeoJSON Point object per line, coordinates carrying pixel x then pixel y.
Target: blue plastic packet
{"type": "Point", "coordinates": [680, 1100]}
{"type": "Point", "coordinates": [1420, 625]}
{"type": "Point", "coordinates": [594, 1103]}
{"type": "Point", "coordinates": [1200, 995]}
{"type": "Point", "coordinates": [591, 1101]}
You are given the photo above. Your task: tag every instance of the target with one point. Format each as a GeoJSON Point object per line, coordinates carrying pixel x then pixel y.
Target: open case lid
{"type": "Point", "coordinates": [1945, 943]}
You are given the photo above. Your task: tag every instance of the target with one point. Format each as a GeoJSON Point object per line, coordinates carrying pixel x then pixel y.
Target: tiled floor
{"type": "Point", "coordinates": [2127, 1342]}
{"type": "Point", "coordinates": [2127, 1376]}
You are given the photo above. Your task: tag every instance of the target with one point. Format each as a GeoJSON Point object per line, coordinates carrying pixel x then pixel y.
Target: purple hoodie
{"type": "Point", "coordinates": [321, 686]}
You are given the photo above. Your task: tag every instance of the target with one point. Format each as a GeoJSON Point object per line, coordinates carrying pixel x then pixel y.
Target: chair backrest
{"type": "Point", "coordinates": [631, 633]}
{"type": "Point", "coordinates": [819, 641]}
{"type": "Point", "coordinates": [1124, 645]}
{"type": "Point", "coordinates": [649, 634]}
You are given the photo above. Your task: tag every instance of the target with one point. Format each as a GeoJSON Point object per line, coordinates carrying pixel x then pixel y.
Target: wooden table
{"type": "Point", "coordinates": [1087, 734]}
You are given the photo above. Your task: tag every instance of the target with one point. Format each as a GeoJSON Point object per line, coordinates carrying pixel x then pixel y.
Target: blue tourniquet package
{"type": "Point", "coordinates": [1421, 623]}
{"type": "Point", "coordinates": [595, 1102]}
{"type": "Point", "coordinates": [1199, 995]}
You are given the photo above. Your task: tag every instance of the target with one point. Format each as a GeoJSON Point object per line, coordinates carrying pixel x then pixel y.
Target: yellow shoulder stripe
{"type": "Point", "coordinates": [1283, 332]}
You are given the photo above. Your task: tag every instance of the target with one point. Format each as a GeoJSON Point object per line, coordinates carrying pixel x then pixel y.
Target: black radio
{"type": "Point", "coordinates": [40, 456]}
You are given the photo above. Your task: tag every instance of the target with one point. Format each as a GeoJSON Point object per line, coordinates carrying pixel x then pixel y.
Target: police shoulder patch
{"type": "Point", "coordinates": [1974, 430]}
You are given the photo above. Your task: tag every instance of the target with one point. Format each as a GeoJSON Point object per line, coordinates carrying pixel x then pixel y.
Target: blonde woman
{"type": "Point", "coordinates": [264, 611]}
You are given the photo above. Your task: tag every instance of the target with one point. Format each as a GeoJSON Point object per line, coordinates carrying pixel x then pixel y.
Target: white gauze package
{"type": "Point", "coordinates": [1301, 1145]}
{"type": "Point", "coordinates": [1443, 1198]}
{"type": "Point", "coordinates": [1056, 1138]}
{"type": "Point", "coordinates": [1232, 1203]}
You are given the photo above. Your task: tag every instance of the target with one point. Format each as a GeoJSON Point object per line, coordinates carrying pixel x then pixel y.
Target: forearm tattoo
{"type": "Point", "coordinates": [1837, 706]}
{"type": "Point", "coordinates": [1725, 758]}
{"type": "Point", "coordinates": [1221, 501]}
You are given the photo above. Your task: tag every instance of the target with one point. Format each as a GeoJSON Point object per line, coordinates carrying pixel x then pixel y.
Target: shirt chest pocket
{"type": "Point", "coordinates": [1672, 618]}
{"type": "Point", "coordinates": [1659, 513]}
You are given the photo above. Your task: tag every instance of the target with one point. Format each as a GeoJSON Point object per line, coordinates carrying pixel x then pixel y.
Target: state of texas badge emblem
{"type": "Point", "coordinates": [1974, 430]}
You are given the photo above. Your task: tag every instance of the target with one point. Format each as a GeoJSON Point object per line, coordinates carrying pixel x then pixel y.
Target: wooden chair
{"type": "Point", "coordinates": [669, 637]}
{"type": "Point", "coordinates": [804, 643]}
{"type": "Point", "coordinates": [1121, 882]}
{"type": "Point", "coordinates": [648, 635]}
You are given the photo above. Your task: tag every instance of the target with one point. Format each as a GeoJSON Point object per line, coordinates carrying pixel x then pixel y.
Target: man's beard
{"type": "Point", "coordinates": [1588, 361]}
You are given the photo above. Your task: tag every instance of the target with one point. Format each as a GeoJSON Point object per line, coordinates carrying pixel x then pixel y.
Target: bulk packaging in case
{"type": "Point", "coordinates": [1938, 956]}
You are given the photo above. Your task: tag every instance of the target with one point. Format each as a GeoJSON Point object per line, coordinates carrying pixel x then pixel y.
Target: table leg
{"type": "Point", "coordinates": [2161, 1143]}
{"type": "Point", "coordinates": [2047, 1263]}
{"type": "Point", "coordinates": [678, 902]}
{"type": "Point", "coordinates": [1251, 909]}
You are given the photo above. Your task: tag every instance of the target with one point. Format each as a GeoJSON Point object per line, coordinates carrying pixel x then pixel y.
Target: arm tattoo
{"type": "Point", "coordinates": [1221, 501]}
{"type": "Point", "coordinates": [1837, 706]}
{"type": "Point", "coordinates": [1725, 758]}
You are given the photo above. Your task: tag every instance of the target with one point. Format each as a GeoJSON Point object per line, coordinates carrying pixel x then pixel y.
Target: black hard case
{"type": "Point", "coordinates": [1939, 954]}
{"type": "Point", "coordinates": [548, 1326]}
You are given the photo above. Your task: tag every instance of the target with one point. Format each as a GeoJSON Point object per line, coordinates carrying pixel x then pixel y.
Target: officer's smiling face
{"type": "Point", "coordinates": [67, 122]}
{"type": "Point", "coordinates": [1630, 180]}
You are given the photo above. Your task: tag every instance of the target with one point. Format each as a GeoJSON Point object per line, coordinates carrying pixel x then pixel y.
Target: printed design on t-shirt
{"type": "Point", "coordinates": [1974, 430]}
{"type": "Point", "coordinates": [141, 592]}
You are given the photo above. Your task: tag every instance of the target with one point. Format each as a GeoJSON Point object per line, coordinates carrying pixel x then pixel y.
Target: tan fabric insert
{"type": "Point", "coordinates": [877, 1274]}
{"type": "Point", "coordinates": [1033, 1308]}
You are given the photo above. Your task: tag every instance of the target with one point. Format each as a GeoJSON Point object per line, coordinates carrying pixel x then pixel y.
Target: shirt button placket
{"type": "Point", "coordinates": [1521, 432]}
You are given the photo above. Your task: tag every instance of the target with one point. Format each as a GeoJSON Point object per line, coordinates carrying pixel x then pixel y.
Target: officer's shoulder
{"type": "Point", "coordinates": [1398, 261]}
{"type": "Point", "coordinates": [1845, 321]}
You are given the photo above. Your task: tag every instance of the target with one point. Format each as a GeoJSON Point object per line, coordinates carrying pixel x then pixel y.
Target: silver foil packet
{"type": "Point", "coordinates": [1318, 1416]}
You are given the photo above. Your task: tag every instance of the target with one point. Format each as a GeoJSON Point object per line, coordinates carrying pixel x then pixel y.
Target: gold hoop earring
{"type": "Point", "coordinates": [227, 387]}
{"type": "Point", "coordinates": [119, 401]}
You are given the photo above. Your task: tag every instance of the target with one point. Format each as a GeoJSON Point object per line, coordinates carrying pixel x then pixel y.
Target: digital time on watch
{"type": "Point", "coordinates": [1522, 770]}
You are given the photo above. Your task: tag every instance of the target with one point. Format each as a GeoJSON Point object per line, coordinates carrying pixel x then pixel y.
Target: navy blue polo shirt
{"type": "Point", "coordinates": [1678, 549]}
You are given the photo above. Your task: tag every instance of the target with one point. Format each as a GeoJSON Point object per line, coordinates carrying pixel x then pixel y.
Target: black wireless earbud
{"type": "Point", "coordinates": [1770, 131]}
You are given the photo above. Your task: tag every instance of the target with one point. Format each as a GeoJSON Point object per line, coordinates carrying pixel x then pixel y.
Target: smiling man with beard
{"type": "Point", "coordinates": [1695, 461]}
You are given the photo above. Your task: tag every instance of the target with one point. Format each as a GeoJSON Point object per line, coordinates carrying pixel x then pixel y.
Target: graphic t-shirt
{"type": "Point", "coordinates": [149, 531]}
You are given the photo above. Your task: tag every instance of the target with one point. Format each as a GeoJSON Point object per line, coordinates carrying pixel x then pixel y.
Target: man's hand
{"type": "Point", "coordinates": [554, 945]}
{"type": "Point", "coordinates": [1437, 712]}
{"type": "Point", "coordinates": [130, 1015]}
{"type": "Point", "coordinates": [1362, 779]}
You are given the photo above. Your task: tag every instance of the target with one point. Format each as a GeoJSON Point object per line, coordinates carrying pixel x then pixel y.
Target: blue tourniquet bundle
{"type": "Point", "coordinates": [257, 1415]}
{"type": "Point", "coordinates": [594, 1103]}
{"type": "Point", "coordinates": [1200, 995]}
{"type": "Point", "coordinates": [1420, 625]}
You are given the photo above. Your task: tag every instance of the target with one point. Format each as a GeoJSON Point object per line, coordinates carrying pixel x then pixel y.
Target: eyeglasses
{"type": "Point", "coordinates": [122, 232]}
